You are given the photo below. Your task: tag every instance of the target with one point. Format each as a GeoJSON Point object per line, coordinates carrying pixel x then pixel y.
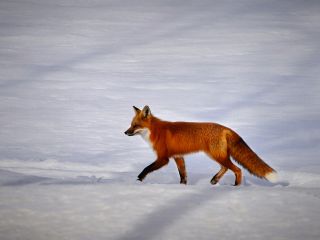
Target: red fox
{"type": "Point", "coordinates": [175, 139]}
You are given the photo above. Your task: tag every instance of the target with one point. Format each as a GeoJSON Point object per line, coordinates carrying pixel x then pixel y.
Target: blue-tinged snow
{"type": "Point", "coordinates": [70, 72]}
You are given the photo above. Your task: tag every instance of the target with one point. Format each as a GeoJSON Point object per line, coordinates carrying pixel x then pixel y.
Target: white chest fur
{"type": "Point", "coordinates": [145, 134]}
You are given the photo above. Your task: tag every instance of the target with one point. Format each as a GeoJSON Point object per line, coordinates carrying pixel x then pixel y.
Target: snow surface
{"type": "Point", "coordinates": [70, 70]}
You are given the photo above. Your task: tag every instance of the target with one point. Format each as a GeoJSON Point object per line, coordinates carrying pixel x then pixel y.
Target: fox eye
{"type": "Point", "coordinates": [136, 126]}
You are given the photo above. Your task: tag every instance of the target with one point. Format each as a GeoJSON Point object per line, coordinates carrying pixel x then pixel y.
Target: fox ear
{"type": "Point", "coordinates": [137, 110]}
{"type": "Point", "coordinates": [146, 112]}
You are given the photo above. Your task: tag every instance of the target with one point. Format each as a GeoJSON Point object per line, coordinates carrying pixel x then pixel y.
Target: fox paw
{"type": "Point", "coordinates": [183, 181]}
{"type": "Point", "coordinates": [214, 181]}
{"type": "Point", "coordinates": [140, 178]}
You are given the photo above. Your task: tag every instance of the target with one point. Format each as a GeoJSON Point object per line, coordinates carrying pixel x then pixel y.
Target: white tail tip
{"type": "Point", "coordinates": [272, 177]}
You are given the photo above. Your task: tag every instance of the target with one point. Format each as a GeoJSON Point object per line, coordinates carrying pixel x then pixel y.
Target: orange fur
{"type": "Point", "coordinates": [175, 139]}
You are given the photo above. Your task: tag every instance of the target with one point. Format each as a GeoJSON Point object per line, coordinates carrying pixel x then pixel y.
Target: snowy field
{"type": "Point", "coordinates": [70, 71]}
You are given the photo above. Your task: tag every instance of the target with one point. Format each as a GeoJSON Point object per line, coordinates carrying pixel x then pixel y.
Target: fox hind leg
{"type": "Point", "coordinates": [237, 171]}
{"type": "Point", "coordinates": [219, 175]}
{"type": "Point", "coordinates": [225, 162]}
{"type": "Point", "coordinates": [182, 169]}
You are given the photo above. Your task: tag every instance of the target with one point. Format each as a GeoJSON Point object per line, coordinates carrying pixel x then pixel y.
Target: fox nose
{"type": "Point", "coordinates": [127, 132]}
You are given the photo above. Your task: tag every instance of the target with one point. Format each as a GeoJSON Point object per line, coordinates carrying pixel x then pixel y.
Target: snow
{"type": "Point", "coordinates": [70, 72]}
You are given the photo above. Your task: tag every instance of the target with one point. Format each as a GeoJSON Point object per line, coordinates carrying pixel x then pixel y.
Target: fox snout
{"type": "Point", "coordinates": [129, 132]}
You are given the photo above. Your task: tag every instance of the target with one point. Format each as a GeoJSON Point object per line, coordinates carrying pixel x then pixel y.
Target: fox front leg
{"type": "Point", "coordinates": [160, 162]}
{"type": "Point", "coordinates": [182, 169]}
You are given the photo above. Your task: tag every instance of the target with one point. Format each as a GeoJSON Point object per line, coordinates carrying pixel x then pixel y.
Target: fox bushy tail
{"type": "Point", "coordinates": [246, 157]}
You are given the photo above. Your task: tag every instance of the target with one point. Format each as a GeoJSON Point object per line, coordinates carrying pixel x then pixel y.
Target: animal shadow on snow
{"type": "Point", "coordinates": [251, 180]}
{"type": "Point", "coordinates": [15, 179]}
{"type": "Point", "coordinates": [9, 178]}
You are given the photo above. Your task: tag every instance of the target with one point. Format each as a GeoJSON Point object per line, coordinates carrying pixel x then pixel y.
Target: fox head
{"type": "Point", "coordinates": [140, 121]}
